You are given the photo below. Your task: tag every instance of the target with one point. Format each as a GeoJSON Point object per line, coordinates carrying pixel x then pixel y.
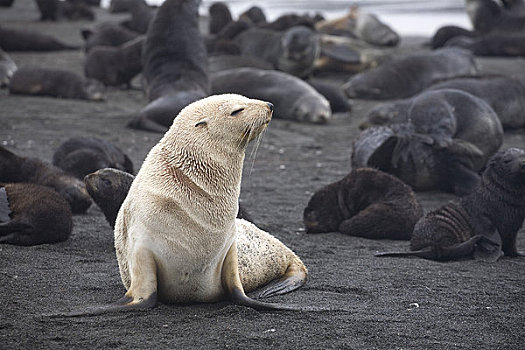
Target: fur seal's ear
{"type": "Point", "coordinates": [202, 122]}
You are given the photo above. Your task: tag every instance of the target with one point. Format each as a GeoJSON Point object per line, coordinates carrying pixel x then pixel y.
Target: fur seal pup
{"type": "Point", "coordinates": [106, 34]}
{"type": "Point", "coordinates": [14, 168]}
{"type": "Point", "coordinates": [442, 143]}
{"type": "Point", "coordinates": [366, 203]}
{"type": "Point", "coordinates": [293, 51]}
{"type": "Point", "coordinates": [80, 156]}
{"type": "Point", "coordinates": [56, 83]}
{"type": "Point", "coordinates": [405, 76]}
{"type": "Point", "coordinates": [484, 223]}
{"type": "Point", "coordinates": [115, 66]}
{"type": "Point", "coordinates": [189, 250]}
{"type": "Point", "coordinates": [504, 94]}
{"type": "Point", "coordinates": [32, 214]}
{"type": "Point", "coordinates": [109, 187]}
{"type": "Point", "coordinates": [292, 97]}
{"type": "Point", "coordinates": [7, 68]}
{"type": "Point", "coordinates": [14, 39]}
{"type": "Point", "coordinates": [175, 65]}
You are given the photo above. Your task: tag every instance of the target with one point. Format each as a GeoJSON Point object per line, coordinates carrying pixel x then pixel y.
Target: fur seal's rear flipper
{"type": "Point", "coordinates": [488, 247]}
{"type": "Point", "coordinates": [294, 277]}
{"type": "Point", "coordinates": [453, 252]}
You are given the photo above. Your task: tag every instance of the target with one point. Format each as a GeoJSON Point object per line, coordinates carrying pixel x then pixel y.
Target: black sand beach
{"type": "Point", "coordinates": [376, 303]}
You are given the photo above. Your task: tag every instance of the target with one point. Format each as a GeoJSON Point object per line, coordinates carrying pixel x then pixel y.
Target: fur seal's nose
{"type": "Point", "coordinates": [270, 105]}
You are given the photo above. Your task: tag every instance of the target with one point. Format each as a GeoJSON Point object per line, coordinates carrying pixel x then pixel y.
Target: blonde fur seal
{"type": "Point", "coordinates": [176, 236]}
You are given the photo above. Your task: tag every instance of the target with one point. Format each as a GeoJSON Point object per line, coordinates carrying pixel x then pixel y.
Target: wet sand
{"type": "Point", "coordinates": [375, 303]}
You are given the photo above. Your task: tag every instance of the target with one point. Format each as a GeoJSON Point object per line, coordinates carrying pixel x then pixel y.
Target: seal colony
{"type": "Point", "coordinates": [176, 236]}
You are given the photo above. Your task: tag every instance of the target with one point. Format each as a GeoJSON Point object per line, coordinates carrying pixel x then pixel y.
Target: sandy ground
{"type": "Point", "coordinates": [377, 303]}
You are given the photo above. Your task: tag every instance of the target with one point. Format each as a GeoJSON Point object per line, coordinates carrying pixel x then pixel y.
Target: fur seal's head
{"type": "Point", "coordinates": [311, 110]}
{"type": "Point", "coordinates": [299, 49]}
{"type": "Point", "coordinates": [508, 166]}
{"type": "Point", "coordinates": [109, 187]}
{"type": "Point", "coordinates": [321, 214]}
{"type": "Point", "coordinates": [94, 90]}
{"type": "Point", "coordinates": [228, 120]}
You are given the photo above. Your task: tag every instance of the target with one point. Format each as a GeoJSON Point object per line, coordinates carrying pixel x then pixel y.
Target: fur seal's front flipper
{"type": "Point", "coordinates": [488, 247]}
{"type": "Point", "coordinates": [141, 122]}
{"type": "Point", "coordinates": [142, 293]}
{"type": "Point", "coordinates": [231, 282]}
{"type": "Point", "coordinates": [123, 304]}
{"type": "Point", "coordinates": [294, 277]}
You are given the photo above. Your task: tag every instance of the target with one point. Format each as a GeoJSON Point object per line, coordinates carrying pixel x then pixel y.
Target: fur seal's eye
{"type": "Point", "coordinates": [237, 111]}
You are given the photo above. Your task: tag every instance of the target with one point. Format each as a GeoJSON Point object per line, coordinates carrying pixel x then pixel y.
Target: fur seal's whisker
{"type": "Point", "coordinates": [253, 153]}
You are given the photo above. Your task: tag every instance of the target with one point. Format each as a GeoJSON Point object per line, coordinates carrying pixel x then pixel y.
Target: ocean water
{"type": "Point", "coordinates": [407, 17]}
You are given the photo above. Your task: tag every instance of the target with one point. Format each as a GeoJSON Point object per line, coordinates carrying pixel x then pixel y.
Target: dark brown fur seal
{"type": "Point", "coordinates": [292, 97]}
{"type": "Point", "coordinates": [366, 203]}
{"type": "Point", "coordinates": [484, 223]}
{"type": "Point", "coordinates": [14, 168]}
{"type": "Point", "coordinates": [106, 34]}
{"type": "Point", "coordinates": [7, 68]}
{"type": "Point", "coordinates": [441, 142]}
{"type": "Point", "coordinates": [115, 66]}
{"type": "Point", "coordinates": [80, 156]}
{"type": "Point", "coordinates": [504, 94]}
{"type": "Point", "coordinates": [56, 83]}
{"type": "Point", "coordinates": [12, 39]}
{"type": "Point", "coordinates": [405, 76]}
{"type": "Point", "coordinates": [175, 65]}
{"type": "Point", "coordinates": [32, 214]}
{"type": "Point", "coordinates": [109, 187]}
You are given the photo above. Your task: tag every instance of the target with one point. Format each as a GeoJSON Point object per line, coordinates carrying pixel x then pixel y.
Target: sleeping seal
{"type": "Point", "coordinates": [366, 203]}
{"type": "Point", "coordinates": [293, 98]}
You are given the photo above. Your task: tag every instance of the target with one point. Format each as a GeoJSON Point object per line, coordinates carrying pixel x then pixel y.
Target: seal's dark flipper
{"type": "Point", "coordinates": [453, 252]}
{"type": "Point", "coordinates": [488, 248]}
{"type": "Point", "coordinates": [294, 278]}
{"type": "Point", "coordinates": [4, 206]}
{"type": "Point", "coordinates": [342, 53]}
{"type": "Point", "coordinates": [426, 253]}
{"type": "Point", "coordinates": [141, 122]}
{"type": "Point", "coordinates": [123, 304]}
